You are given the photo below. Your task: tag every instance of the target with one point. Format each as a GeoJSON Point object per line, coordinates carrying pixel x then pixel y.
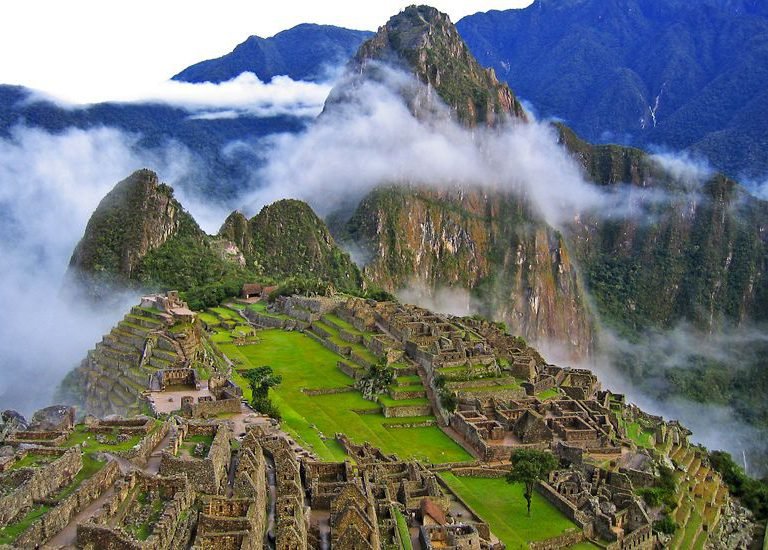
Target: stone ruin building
{"type": "Point", "coordinates": [191, 480]}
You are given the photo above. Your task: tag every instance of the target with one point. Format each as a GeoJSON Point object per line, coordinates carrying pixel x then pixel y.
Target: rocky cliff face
{"type": "Point", "coordinates": [516, 270]}
{"type": "Point", "coordinates": [422, 41]}
{"type": "Point", "coordinates": [139, 215]}
{"type": "Point", "coordinates": [699, 254]}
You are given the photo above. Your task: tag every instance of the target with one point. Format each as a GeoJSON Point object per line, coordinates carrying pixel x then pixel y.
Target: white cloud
{"type": "Point", "coordinates": [244, 94]}
{"type": "Point", "coordinates": [49, 186]}
{"type": "Point", "coordinates": [373, 138]}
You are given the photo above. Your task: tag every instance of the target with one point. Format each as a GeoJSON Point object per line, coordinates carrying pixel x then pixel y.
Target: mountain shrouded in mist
{"type": "Point", "coordinates": [140, 236]}
{"type": "Point", "coordinates": [678, 74]}
{"type": "Point", "coordinates": [305, 52]}
{"type": "Point", "coordinates": [662, 245]}
{"type": "Point", "coordinates": [470, 240]}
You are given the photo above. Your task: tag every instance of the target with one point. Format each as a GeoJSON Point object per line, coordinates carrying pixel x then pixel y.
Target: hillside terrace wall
{"type": "Point", "coordinates": [349, 370]}
{"type": "Point", "coordinates": [60, 516]}
{"type": "Point", "coordinates": [566, 540]}
{"type": "Point", "coordinates": [39, 485]}
{"type": "Point", "coordinates": [410, 410]}
{"type": "Point", "coordinates": [338, 350]}
{"type": "Point", "coordinates": [262, 320]}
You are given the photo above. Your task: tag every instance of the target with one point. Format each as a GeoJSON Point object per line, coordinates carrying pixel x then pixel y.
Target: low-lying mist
{"type": "Point", "coordinates": [49, 186]}
{"type": "Point", "coordinates": [704, 380]}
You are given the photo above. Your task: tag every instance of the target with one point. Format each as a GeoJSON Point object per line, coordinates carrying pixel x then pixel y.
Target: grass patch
{"type": "Point", "coordinates": [402, 528]}
{"type": "Point", "coordinates": [548, 394]}
{"type": "Point", "coordinates": [304, 363]}
{"type": "Point", "coordinates": [502, 506]}
{"type": "Point", "coordinates": [188, 445]}
{"type": "Point", "coordinates": [641, 436]}
{"type": "Point", "coordinates": [11, 532]}
{"type": "Point", "coordinates": [81, 436]}
{"type": "Point", "coordinates": [33, 460]}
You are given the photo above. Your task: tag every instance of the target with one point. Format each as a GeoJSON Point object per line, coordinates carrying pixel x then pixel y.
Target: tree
{"type": "Point", "coordinates": [260, 380]}
{"type": "Point", "coordinates": [530, 466]}
{"type": "Point", "coordinates": [375, 380]}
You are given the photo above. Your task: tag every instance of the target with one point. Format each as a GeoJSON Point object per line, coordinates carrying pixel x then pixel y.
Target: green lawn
{"type": "Point", "coordinates": [306, 364]}
{"type": "Point", "coordinates": [502, 506]}
{"type": "Point", "coordinates": [642, 437]}
{"type": "Point", "coordinates": [548, 394]}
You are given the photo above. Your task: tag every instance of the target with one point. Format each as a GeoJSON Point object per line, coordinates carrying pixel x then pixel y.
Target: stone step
{"type": "Point", "coordinates": [145, 322]}
{"type": "Point", "coordinates": [170, 356]}
{"type": "Point", "coordinates": [132, 328]}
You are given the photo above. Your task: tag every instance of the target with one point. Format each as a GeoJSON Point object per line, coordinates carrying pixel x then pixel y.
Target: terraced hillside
{"type": "Point", "coordinates": [700, 500]}
{"type": "Point", "coordinates": [318, 398]}
{"type": "Point", "coordinates": [130, 360]}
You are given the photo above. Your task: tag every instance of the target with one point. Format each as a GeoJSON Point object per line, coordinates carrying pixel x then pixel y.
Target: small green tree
{"type": "Point", "coordinates": [375, 380]}
{"type": "Point", "coordinates": [530, 466]}
{"type": "Point", "coordinates": [260, 380]}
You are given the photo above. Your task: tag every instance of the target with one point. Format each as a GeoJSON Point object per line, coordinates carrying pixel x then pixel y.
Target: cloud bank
{"type": "Point", "coordinates": [49, 186]}
{"type": "Point", "coordinates": [374, 139]}
{"type": "Point", "coordinates": [242, 95]}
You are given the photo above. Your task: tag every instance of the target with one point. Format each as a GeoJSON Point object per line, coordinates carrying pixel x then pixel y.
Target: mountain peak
{"type": "Point", "coordinates": [424, 41]}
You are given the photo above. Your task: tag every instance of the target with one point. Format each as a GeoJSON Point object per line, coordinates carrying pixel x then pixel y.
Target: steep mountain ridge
{"type": "Point", "coordinates": [287, 239]}
{"type": "Point", "coordinates": [422, 41]}
{"type": "Point", "coordinates": [699, 255]}
{"type": "Point", "coordinates": [679, 74]}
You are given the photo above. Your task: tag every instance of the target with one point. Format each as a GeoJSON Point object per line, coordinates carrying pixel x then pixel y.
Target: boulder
{"type": "Point", "coordinates": [53, 419]}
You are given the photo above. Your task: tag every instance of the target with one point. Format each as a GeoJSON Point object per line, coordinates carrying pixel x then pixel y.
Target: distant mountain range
{"type": "Point", "coordinates": [685, 75]}
{"type": "Point", "coordinates": [304, 52]}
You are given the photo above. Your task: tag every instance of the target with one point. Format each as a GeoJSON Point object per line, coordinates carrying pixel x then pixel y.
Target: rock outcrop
{"type": "Point", "coordinates": [517, 270]}
{"type": "Point", "coordinates": [423, 41]}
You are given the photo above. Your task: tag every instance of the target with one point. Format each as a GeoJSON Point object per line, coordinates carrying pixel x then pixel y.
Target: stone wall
{"type": "Point", "coordinates": [566, 540]}
{"type": "Point", "coordinates": [349, 370]}
{"type": "Point", "coordinates": [328, 391]}
{"type": "Point", "coordinates": [208, 474]}
{"type": "Point", "coordinates": [562, 504]}
{"type": "Point", "coordinates": [141, 452]}
{"type": "Point", "coordinates": [411, 410]}
{"type": "Point", "coordinates": [210, 409]}
{"type": "Point", "coordinates": [330, 345]}
{"type": "Point", "coordinates": [266, 321]}
{"type": "Point", "coordinates": [39, 484]}
{"type": "Point", "coordinates": [60, 516]}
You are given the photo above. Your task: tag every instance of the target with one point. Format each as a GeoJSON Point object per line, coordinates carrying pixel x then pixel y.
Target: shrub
{"type": "Point", "coordinates": [665, 525]}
